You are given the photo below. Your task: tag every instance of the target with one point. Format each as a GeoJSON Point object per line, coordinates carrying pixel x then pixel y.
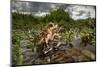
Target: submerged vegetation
{"type": "Point", "coordinates": [77, 41]}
